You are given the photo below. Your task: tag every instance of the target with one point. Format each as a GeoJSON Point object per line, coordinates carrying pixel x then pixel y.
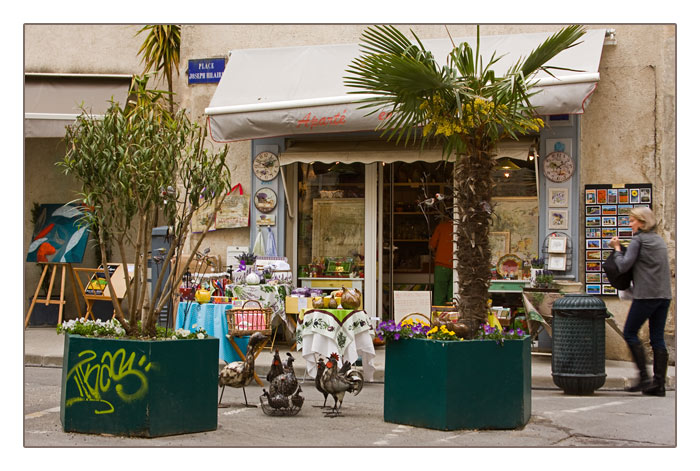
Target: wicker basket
{"type": "Point", "coordinates": [246, 321]}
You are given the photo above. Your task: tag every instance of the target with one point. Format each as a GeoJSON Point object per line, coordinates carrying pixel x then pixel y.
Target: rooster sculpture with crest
{"type": "Point", "coordinates": [336, 382]}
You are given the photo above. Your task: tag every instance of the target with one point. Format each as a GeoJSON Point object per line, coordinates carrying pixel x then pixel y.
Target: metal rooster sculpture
{"type": "Point", "coordinates": [337, 382]}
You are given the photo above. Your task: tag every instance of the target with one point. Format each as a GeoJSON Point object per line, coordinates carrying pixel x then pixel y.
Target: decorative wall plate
{"type": "Point", "coordinates": [509, 263]}
{"type": "Point", "coordinates": [265, 200]}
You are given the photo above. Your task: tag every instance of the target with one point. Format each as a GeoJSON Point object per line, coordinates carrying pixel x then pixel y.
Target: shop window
{"type": "Point", "coordinates": [331, 230]}
{"type": "Point", "coordinates": [514, 177]}
{"type": "Point", "coordinates": [515, 219]}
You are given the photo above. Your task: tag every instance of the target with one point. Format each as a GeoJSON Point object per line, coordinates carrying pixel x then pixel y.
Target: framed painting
{"type": "Point", "coordinates": [520, 217]}
{"type": "Point", "coordinates": [500, 245]}
{"type": "Point", "coordinates": [558, 219]}
{"type": "Point", "coordinates": [558, 197]}
{"type": "Point", "coordinates": [60, 236]}
{"type": "Point", "coordinates": [338, 227]}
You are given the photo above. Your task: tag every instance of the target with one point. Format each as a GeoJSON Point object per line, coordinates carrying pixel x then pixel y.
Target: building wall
{"type": "Point", "coordinates": [628, 131]}
{"type": "Point", "coordinates": [628, 135]}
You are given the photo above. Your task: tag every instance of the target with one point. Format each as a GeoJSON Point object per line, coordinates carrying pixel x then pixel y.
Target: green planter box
{"type": "Point", "coordinates": [139, 387]}
{"type": "Point", "coordinates": [474, 384]}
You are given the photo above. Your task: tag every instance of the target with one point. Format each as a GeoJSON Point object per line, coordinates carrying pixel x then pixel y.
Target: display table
{"type": "Point", "coordinates": [332, 283]}
{"type": "Point", "coordinates": [508, 286]}
{"type": "Point", "coordinates": [212, 318]}
{"type": "Point", "coordinates": [270, 296]}
{"type": "Point", "coordinates": [348, 333]}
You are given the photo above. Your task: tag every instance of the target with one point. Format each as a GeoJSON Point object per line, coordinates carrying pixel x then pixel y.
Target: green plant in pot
{"type": "Point", "coordinates": [433, 361]}
{"type": "Point", "coordinates": [136, 161]}
{"type": "Point", "coordinates": [465, 106]}
{"type": "Point", "coordinates": [545, 279]}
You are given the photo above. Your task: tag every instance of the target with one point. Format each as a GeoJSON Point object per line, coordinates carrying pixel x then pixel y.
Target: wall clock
{"type": "Point", "coordinates": [265, 200]}
{"type": "Point", "coordinates": [266, 166]}
{"type": "Point", "coordinates": [558, 166]}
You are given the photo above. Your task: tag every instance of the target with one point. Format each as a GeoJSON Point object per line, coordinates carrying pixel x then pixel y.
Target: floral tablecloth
{"type": "Point", "coordinates": [270, 296]}
{"type": "Point", "coordinates": [346, 332]}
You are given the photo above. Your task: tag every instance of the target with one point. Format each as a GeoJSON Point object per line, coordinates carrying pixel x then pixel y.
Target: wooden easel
{"type": "Point", "coordinates": [61, 301]}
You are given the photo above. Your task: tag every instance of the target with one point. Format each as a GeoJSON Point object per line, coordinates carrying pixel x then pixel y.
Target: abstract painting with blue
{"type": "Point", "coordinates": [60, 236]}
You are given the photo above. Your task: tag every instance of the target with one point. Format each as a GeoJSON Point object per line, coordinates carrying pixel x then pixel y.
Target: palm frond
{"type": "Point", "coordinates": [553, 45]}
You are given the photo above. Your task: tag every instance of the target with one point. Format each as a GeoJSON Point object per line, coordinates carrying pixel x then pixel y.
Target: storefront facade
{"type": "Point", "coordinates": [344, 195]}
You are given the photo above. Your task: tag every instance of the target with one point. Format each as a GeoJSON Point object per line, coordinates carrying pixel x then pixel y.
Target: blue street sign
{"type": "Point", "coordinates": [205, 70]}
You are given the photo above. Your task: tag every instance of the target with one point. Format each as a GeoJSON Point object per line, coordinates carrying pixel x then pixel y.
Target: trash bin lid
{"type": "Point", "coordinates": [579, 303]}
{"type": "Point", "coordinates": [161, 231]}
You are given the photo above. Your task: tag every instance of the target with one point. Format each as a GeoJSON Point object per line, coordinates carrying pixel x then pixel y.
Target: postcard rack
{"type": "Point", "coordinates": [607, 214]}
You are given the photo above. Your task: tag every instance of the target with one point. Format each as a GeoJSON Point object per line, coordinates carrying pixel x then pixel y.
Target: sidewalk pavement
{"type": "Point", "coordinates": [43, 347]}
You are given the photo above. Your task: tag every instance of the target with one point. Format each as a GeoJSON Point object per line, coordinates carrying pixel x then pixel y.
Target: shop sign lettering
{"type": "Point", "coordinates": [311, 120]}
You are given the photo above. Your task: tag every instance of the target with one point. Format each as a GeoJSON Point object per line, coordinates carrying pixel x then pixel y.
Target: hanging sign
{"type": "Point", "coordinates": [205, 70]}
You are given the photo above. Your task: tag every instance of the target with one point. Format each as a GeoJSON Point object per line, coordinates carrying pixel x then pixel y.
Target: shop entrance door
{"type": "Point", "coordinates": [409, 212]}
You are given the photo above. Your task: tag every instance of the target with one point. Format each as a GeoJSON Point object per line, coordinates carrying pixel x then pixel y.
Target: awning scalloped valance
{"type": "Point", "coordinates": [380, 151]}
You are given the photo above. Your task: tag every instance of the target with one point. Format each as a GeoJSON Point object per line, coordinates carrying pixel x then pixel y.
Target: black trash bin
{"type": "Point", "coordinates": [578, 343]}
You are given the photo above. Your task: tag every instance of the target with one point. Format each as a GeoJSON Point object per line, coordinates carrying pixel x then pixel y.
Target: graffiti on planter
{"type": "Point", "coordinates": [113, 372]}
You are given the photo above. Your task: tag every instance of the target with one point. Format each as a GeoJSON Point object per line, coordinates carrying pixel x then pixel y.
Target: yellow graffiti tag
{"type": "Point", "coordinates": [95, 379]}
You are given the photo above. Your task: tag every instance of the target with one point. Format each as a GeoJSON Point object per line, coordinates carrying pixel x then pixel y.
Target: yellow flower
{"type": "Point", "coordinates": [433, 330]}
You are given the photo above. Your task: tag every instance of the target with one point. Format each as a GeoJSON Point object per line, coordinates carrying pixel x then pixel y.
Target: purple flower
{"type": "Point", "coordinates": [397, 336]}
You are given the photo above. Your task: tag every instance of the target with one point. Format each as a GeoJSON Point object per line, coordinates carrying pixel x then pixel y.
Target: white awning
{"type": "Point", "coordinates": [52, 102]}
{"type": "Point", "coordinates": [300, 90]}
{"type": "Point", "coordinates": [367, 152]}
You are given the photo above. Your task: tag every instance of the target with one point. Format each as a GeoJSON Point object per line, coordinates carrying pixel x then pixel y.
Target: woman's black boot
{"type": "Point", "coordinates": [640, 360]}
{"type": "Point", "coordinates": [658, 386]}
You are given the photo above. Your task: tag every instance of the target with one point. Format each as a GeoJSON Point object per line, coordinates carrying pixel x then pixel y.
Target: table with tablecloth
{"type": "Point", "coordinates": [346, 332]}
{"type": "Point", "coordinates": [270, 296]}
{"type": "Point", "coordinates": [212, 318]}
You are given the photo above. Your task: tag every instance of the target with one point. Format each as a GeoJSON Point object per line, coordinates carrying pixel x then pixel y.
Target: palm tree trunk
{"type": "Point", "coordinates": [473, 190]}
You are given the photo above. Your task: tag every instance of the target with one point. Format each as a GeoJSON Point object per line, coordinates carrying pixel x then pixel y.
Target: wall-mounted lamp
{"type": "Point", "coordinates": [610, 39]}
{"type": "Point", "coordinates": [532, 153]}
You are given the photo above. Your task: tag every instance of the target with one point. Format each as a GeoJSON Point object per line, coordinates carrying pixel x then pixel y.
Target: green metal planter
{"type": "Point", "coordinates": [141, 388]}
{"type": "Point", "coordinates": [475, 384]}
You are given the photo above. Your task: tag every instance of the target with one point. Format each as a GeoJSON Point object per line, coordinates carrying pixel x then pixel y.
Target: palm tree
{"type": "Point", "coordinates": [161, 53]}
{"type": "Point", "coordinates": [466, 107]}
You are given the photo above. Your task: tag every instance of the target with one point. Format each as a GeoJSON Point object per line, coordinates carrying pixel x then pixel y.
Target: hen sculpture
{"type": "Point", "coordinates": [239, 374]}
{"type": "Point", "coordinates": [276, 367]}
{"type": "Point", "coordinates": [284, 389]}
{"type": "Point", "coordinates": [337, 383]}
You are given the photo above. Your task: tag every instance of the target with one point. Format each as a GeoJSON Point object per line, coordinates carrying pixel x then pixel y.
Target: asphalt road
{"type": "Point", "coordinates": [606, 419]}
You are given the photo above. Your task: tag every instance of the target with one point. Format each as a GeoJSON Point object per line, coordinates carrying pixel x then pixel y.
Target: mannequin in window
{"type": "Point", "coordinates": [441, 247]}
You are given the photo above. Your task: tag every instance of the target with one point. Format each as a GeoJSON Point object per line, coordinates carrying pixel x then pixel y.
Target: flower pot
{"type": "Point", "coordinates": [145, 388]}
{"type": "Point", "coordinates": [473, 384]}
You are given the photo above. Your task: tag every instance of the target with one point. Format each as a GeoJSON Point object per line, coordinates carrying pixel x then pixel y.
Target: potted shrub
{"type": "Point", "coordinates": [435, 379]}
{"type": "Point", "coordinates": [467, 107]}
{"type": "Point", "coordinates": [138, 164]}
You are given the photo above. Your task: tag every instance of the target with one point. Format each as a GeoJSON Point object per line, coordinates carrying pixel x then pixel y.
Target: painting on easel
{"type": "Point", "coordinates": [59, 235]}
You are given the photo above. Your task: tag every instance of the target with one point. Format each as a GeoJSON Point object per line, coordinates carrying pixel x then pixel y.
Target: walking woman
{"type": "Point", "coordinates": [647, 257]}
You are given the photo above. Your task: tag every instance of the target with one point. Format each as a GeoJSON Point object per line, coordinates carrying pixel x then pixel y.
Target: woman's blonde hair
{"type": "Point", "coordinates": [646, 218]}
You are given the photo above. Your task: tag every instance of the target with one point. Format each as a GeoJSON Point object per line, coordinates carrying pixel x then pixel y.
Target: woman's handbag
{"type": "Point", "coordinates": [616, 278]}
